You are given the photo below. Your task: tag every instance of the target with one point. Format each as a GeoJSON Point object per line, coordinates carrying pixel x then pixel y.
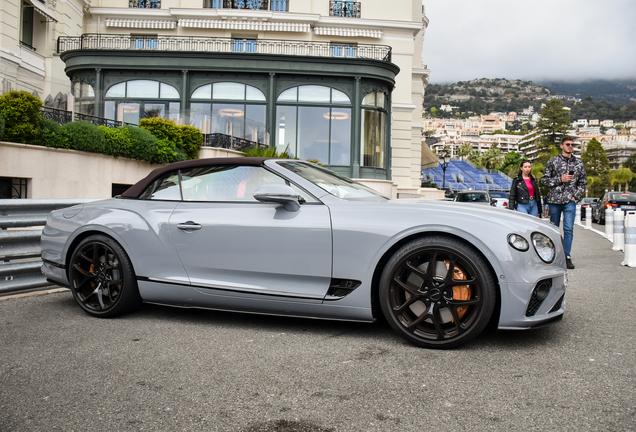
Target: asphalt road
{"type": "Point", "coordinates": [166, 369]}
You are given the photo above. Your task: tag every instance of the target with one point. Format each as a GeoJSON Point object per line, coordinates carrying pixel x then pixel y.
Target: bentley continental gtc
{"type": "Point", "coordinates": [290, 238]}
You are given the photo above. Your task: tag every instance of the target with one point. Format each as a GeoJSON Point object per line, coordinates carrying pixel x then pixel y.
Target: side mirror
{"type": "Point", "coordinates": [278, 193]}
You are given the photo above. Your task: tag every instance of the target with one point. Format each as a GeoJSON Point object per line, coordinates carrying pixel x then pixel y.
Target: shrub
{"type": "Point", "coordinates": [84, 136]}
{"type": "Point", "coordinates": [192, 140]}
{"type": "Point", "coordinates": [119, 142]}
{"type": "Point", "coordinates": [163, 129]}
{"type": "Point", "coordinates": [49, 133]}
{"type": "Point", "coordinates": [21, 112]}
{"type": "Point", "coordinates": [166, 152]}
{"type": "Point", "coordinates": [1, 126]}
{"type": "Point", "coordinates": [144, 146]}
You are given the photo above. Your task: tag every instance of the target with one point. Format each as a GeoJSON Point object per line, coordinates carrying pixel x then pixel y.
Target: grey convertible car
{"type": "Point", "coordinates": [287, 237]}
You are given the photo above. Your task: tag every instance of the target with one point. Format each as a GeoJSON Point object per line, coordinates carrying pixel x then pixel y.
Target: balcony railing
{"type": "Point", "coordinates": [229, 142]}
{"type": "Point", "coordinates": [63, 116]}
{"type": "Point", "coordinates": [274, 5]}
{"type": "Point", "coordinates": [213, 44]}
{"type": "Point", "coordinates": [344, 8]}
{"type": "Point", "coordinates": [145, 4]}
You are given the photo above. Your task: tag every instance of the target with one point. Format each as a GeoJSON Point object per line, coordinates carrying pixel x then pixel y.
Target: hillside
{"type": "Point", "coordinates": [617, 91]}
{"type": "Point", "coordinates": [482, 96]}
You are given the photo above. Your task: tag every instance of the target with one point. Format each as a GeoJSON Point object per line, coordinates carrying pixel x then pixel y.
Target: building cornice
{"type": "Point", "coordinates": [402, 107]}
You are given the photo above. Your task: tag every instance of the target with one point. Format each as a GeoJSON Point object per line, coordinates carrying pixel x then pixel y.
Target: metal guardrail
{"type": "Point", "coordinates": [20, 231]}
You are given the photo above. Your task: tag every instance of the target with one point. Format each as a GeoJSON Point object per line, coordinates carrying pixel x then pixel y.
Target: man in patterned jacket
{"type": "Point", "coordinates": [565, 176]}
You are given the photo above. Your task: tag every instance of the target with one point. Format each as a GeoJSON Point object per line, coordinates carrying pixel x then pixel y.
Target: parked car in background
{"type": "Point", "coordinates": [501, 197]}
{"type": "Point", "coordinates": [626, 201]}
{"type": "Point", "coordinates": [586, 203]}
{"type": "Point", "coordinates": [290, 238]}
{"type": "Point", "coordinates": [475, 197]}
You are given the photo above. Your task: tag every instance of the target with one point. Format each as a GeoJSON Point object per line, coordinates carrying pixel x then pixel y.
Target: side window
{"type": "Point", "coordinates": [165, 187]}
{"type": "Point", "coordinates": [225, 183]}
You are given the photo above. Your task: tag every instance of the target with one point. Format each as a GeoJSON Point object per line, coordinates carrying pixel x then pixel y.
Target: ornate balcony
{"type": "Point", "coordinates": [145, 4]}
{"type": "Point", "coordinates": [344, 8]}
{"type": "Point", "coordinates": [128, 42]}
{"type": "Point", "coordinates": [274, 5]}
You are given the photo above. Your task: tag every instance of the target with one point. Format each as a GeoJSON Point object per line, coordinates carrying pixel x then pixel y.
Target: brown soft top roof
{"type": "Point", "coordinates": [135, 190]}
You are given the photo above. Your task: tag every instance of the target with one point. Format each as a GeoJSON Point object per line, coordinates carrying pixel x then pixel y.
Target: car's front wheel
{"type": "Point", "coordinates": [102, 279]}
{"type": "Point", "coordinates": [437, 292]}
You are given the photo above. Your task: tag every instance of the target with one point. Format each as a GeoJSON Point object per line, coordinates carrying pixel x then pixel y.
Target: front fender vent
{"type": "Point", "coordinates": [339, 288]}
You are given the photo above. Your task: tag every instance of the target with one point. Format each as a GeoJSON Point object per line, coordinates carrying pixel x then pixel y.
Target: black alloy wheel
{"type": "Point", "coordinates": [102, 278]}
{"type": "Point", "coordinates": [437, 292]}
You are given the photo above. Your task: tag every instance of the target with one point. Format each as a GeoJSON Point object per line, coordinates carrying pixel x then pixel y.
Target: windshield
{"type": "Point", "coordinates": [498, 194]}
{"type": "Point", "coordinates": [336, 185]}
{"type": "Point", "coordinates": [625, 196]}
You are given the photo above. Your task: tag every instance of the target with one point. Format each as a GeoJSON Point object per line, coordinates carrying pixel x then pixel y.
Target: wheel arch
{"type": "Point", "coordinates": [379, 268]}
{"type": "Point", "coordinates": [84, 234]}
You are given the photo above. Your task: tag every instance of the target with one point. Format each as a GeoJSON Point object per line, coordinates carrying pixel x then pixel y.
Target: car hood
{"type": "Point", "coordinates": [500, 214]}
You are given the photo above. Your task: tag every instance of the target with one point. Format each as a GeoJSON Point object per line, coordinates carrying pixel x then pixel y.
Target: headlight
{"type": "Point", "coordinates": [518, 242]}
{"type": "Point", "coordinates": [544, 247]}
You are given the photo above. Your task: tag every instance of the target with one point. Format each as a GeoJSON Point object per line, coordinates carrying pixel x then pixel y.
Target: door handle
{"type": "Point", "coordinates": [189, 225]}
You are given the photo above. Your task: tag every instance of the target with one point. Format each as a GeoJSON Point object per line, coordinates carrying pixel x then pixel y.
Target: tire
{"type": "Point", "coordinates": [102, 278]}
{"type": "Point", "coordinates": [428, 306]}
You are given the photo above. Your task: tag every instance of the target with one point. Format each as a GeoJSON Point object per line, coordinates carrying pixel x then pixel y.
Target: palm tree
{"type": "Point", "coordinates": [464, 150]}
{"type": "Point", "coordinates": [492, 158]}
{"type": "Point", "coordinates": [620, 176]}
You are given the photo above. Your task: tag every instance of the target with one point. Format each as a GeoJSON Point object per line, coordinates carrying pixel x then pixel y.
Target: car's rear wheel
{"type": "Point", "coordinates": [437, 292]}
{"type": "Point", "coordinates": [102, 279]}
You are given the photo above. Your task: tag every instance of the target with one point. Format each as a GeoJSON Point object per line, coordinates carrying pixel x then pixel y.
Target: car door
{"type": "Point", "coordinates": [227, 240]}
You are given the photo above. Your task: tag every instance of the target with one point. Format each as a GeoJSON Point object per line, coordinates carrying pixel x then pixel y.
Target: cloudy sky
{"type": "Point", "coordinates": [530, 40]}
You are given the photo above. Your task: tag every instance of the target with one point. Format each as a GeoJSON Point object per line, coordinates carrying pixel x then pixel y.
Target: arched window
{"type": "Point", "coordinates": [228, 110]}
{"type": "Point", "coordinates": [130, 101]}
{"type": "Point", "coordinates": [374, 118]}
{"type": "Point", "coordinates": [314, 123]}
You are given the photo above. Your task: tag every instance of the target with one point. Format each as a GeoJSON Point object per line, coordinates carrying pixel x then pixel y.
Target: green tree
{"type": "Point", "coordinates": [553, 124]}
{"type": "Point", "coordinates": [597, 166]}
{"type": "Point", "coordinates": [475, 157]}
{"type": "Point", "coordinates": [492, 158]}
{"type": "Point", "coordinates": [511, 163]}
{"type": "Point", "coordinates": [595, 159]}
{"type": "Point", "coordinates": [464, 150]}
{"type": "Point", "coordinates": [621, 176]}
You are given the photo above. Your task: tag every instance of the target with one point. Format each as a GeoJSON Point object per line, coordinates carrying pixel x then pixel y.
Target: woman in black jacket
{"type": "Point", "coordinates": [524, 192]}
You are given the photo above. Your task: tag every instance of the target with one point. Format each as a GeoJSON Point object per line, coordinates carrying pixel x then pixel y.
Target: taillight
{"type": "Point", "coordinates": [608, 205]}
{"type": "Point", "coordinates": [505, 204]}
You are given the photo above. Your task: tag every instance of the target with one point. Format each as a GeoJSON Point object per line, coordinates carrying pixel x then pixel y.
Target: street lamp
{"type": "Point", "coordinates": [445, 159]}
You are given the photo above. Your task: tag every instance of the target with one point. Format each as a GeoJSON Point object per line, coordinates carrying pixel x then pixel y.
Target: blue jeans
{"type": "Point", "coordinates": [530, 208]}
{"type": "Point", "coordinates": [569, 212]}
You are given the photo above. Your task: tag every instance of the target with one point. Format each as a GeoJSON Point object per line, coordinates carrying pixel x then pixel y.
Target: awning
{"type": "Point", "coordinates": [245, 25]}
{"type": "Point", "coordinates": [429, 160]}
{"type": "Point", "coordinates": [348, 32]}
{"type": "Point", "coordinates": [141, 23]}
{"type": "Point", "coordinates": [42, 10]}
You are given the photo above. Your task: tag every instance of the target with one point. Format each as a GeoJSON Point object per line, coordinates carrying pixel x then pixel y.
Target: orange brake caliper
{"type": "Point", "coordinates": [460, 292]}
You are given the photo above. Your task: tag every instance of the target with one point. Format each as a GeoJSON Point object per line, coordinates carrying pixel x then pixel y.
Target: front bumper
{"type": "Point", "coordinates": [522, 309]}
